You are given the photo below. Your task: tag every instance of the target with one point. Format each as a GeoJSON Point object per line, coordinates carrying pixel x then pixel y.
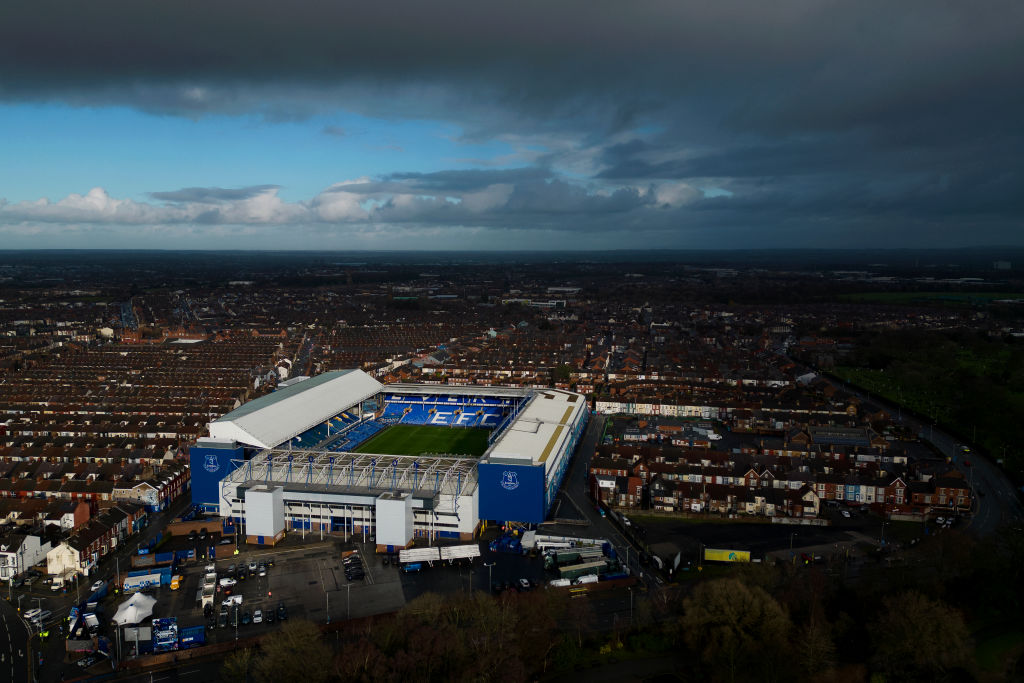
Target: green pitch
{"type": "Point", "coordinates": [416, 439]}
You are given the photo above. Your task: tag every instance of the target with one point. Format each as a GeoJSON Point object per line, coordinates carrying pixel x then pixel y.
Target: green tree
{"type": "Point", "coordinates": [296, 653]}
{"type": "Point", "coordinates": [736, 628]}
{"type": "Point", "coordinates": [814, 648]}
{"type": "Point", "coordinates": [236, 666]}
{"type": "Point", "coordinates": [918, 637]}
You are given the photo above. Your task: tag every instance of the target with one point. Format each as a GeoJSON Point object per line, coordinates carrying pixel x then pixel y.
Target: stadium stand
{"type": "Point", "coordinates": [356, 436]}
{"type": "Point", "coordinates": [448, 411]}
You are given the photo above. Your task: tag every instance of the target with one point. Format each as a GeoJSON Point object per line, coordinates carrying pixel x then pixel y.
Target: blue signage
{"type": "Point", "coordinates": [208, 466]}
{"type": "Point", "coordinates": [511, 493]}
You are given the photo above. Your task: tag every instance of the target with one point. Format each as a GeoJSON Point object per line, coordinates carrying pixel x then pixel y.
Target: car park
{"type": "Point", "coordinates": [257, 617]}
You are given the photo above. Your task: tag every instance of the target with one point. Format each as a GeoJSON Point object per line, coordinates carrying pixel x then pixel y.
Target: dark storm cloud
{"type": "Point", "coordinates": [212, 194]}
{"type": "Point", "coordinates": [762, 65]}
{"type": "Point", "coordinates": [813, 114]}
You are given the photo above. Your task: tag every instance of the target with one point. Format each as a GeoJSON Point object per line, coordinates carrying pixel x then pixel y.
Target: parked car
{"type": "Point", "coordinates": [88, 660]}
{"type": "Point", "coordinates": [253, 566]}
{"type": "Point", "coordinates": [246, 618]}
{"type": "Point", "coordinates": [96, 586]}
{"type": "Point", "coordinates": [268, 616]}
{"type": "Point", "coordinates": [524, 584]}
{"type": "Point", "coordinates": [225, 541]}
{"type": "Point", "coordinates": [257, 617]}
{"type": "Point", "coordinates": [32, 613]}
{"type": "Point", "coordinates": [282, 612]}
{"type": "Point", "coordinates": [845, 513]}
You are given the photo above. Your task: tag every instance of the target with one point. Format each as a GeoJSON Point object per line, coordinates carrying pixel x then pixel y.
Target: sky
{"type": "Point", "coordinates": [452, 124]}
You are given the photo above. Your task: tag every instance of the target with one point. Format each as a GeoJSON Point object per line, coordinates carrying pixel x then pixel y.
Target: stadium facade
{"type": "Point", "coordinates": [300, 459]}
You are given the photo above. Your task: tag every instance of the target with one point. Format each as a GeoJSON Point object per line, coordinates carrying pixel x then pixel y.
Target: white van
{"type": "Point", "coordinates": [589, 578]}
{"type": "Point", "coordinates": [558, 583]}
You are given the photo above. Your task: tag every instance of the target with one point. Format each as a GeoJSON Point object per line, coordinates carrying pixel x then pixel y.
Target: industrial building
{"type": "Point", "coordinates": [296, 460]}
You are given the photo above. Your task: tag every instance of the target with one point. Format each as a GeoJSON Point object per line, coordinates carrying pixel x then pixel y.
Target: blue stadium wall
{"type": "Point", "coordinates": [511, 493]}
{"type": "Point", "coordinates": [208, 466]}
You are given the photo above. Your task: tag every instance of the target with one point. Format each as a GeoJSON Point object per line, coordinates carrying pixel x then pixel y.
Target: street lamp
{"type": "Point", "coordinates": [490, 566]}
{"type": "Point", "coordinates": [791, 555]}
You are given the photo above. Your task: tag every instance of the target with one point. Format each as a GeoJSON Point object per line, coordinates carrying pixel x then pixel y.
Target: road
{"type": "Point", "coordinates": [996, 501]}
{"type": "Point", "coordinates": [14, 661]}
{"type": "Point", "coordinates": [575, 485]}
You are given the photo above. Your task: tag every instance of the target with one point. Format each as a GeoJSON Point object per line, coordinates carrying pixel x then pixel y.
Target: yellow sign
{"type": "Point", "coordinates": [716, 555]}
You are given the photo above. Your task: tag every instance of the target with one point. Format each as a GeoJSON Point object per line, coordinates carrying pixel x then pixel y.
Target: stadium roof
{"type": "Point", "coordinates": [271, 420]}
{"type": "Point", "coordinates": [446, 390]}
{"type": "Point", "coordinates": [540, 428]}
{"type": "Point", "coordinates": [357, 474]}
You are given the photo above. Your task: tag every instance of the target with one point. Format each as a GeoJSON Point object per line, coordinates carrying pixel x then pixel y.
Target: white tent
{"type": "Point", "coordinates": [134, 610]}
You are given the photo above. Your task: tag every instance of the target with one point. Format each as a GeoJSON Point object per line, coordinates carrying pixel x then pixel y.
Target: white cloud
{"type": "Point", "coordinates": [465, 200]}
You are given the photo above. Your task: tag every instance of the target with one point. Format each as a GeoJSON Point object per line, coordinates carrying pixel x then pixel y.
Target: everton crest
{"type": "Point", "coordinates": [211, 465]}
{"type": "Point", "coordinates": [509, 481]}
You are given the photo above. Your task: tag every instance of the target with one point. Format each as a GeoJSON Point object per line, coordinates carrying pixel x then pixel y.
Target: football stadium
{"type": "Point", "coordinates": [343, 453]}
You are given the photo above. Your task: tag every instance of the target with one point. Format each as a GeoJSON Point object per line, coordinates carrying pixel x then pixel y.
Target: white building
{"type": "Point", "coordinates": [19, 552]}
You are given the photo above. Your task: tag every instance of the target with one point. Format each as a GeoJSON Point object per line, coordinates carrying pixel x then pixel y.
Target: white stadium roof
{"type": "Point", "coordinates": [273, 419]}
{"type": "Point", "coordinates": [540, 429]}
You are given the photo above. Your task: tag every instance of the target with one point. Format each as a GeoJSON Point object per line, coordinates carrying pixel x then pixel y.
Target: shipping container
{"type": "Point", "coordinates": [573, 571]}
{"type": "Point", "coordinates": [193, 636]}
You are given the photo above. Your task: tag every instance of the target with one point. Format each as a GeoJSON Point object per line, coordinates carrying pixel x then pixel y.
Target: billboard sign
{"type": "Point", "coordinates": [719, 555]}
{"type": "Point", "coordinates": [511, 493]}
{"type": "Point", "coordinates": [208, 466]}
